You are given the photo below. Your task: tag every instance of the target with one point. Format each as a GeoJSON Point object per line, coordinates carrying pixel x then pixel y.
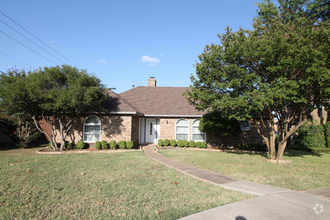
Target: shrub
{"type": "Point", "coordinates": [129, 144]}
{"type": "Point", "coordinates": [242, 146]}
{"type": "Point", "coordinates": [98, 145]}
{"type": "Point", "coordinates": [71, 146]}
{"type": "Point", "coordinates": [80, 144]}
{"type": "Point", "coordinates": [173, 143]}
{"type": "Point", "coordinates": [312, 136]}
{"type": "Point", "coordinates": [198, 144]}
{"type": "Point", "coordinates": [104, 145]}
{"type": "Point", "coordinates": [122, 144]}
{"type": "Point", "coordinates": [192, 143]}
{"type": "Point", "coordinates": [327, 134]}
{"type": "Point", "coordinates": [185, 143]}
{"type": "Point", "coordinates": [179, 143]}
{"type": "Point", "coordinates": [166, 142]}
{"type": "Point", "coordinates": [203, 145]}
{"type": "Point", "coordinates": [113, 144]}
{"type": "Point", "coordinates": [251, 147]}
{"type": "Point", "coordinates": [160, 142]}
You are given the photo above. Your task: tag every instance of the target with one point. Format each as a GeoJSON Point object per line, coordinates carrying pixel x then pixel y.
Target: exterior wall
{"type": "Point", "coordinates": [167, 131]}
{"type": "Point", "coordinates": [251, 136]}
{"type": "Point", "coordinates": [167, 127]}
{"type": "Point", "coordinates": [113, 127]}
{"type": "Point", "coordinates": [135, 131]}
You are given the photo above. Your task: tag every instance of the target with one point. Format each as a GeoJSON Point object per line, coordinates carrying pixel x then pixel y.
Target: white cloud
{"type": "Point", "coordinates": [151, 64]}
{"type": "Point", "coordinates": [149, 59]}
{"type": "Point", "coordinates": [102, 61]}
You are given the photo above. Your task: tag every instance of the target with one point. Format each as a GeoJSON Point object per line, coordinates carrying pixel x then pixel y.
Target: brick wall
{"type": "Point", "coordinates": [167, 131]}
{"type": "Point", "coordinates": [113, 127]}
{"type": "Point", "coordinates": [135, 131]}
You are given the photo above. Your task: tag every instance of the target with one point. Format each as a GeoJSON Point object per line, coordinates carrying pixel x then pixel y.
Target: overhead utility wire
{"type": "Point", "coordinates": [40, 40]}
{"type": "Point", "coordinates": [16, 59]}
{"type": "Point", "coordinates": [31, 41]}
{"type": "Point", "coordinates": [28, 48]}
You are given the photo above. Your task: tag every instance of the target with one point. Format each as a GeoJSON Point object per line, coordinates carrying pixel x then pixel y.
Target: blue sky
{"type": "Point", "coordinates": [122, 42]}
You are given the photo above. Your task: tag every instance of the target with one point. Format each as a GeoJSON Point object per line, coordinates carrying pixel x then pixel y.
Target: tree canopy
{"type": "Point", "coordinates": [57, 95]}
{"type": "Point", "coordinates": [279, 70]}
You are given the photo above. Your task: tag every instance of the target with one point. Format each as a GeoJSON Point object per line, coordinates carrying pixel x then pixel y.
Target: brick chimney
{"type": "Point", "coordinates": [152, 82]}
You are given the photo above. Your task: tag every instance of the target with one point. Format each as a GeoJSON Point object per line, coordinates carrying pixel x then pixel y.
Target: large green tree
{"type": "Point", "coordinates": [16, 107]}
{"type": "Point", "coordinates": [278, 70]}
{"type": "Point", "coordinates": [56, 94]}
{"type": "Point", "coordinates": [62, 93]}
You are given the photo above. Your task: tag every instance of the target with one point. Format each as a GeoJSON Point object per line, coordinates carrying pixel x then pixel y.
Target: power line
{"type": "Point", "coordinates": [40, 40]}
{"type": "Point", "coordinates": [31, 41]}
{"type": "Point", "coordinates": [28, 48]}
{"type": "Point", "coordinates": [16, 59]}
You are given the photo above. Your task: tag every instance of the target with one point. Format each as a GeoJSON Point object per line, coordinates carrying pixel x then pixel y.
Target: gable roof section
{"type": "Point", "coordinates": [160, 101]}
{"type": "Point", "coordinates": [114, 104]}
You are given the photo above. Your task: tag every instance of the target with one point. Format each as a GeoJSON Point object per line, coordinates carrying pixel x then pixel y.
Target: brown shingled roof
{"type": "Point", "coordinates": [115, 104]}
{"type": "Point", "coordinates": [159, 101]}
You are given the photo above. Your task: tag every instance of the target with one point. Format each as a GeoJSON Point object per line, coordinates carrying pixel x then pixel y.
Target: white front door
{"type": "Point", "coordinates": [151, 130]}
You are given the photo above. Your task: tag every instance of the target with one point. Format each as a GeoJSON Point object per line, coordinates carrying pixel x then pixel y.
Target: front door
{"type": "Point", "coordinates": [151, 131]}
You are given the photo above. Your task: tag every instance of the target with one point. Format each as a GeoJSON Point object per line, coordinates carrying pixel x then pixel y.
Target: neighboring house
{"type": "Point", "coordinates": [146, 114]}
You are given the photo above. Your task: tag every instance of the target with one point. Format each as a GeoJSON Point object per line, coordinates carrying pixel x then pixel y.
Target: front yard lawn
{"type": "Point", "coordinates": [100, 186]}
{"type": "Point", "coordinates": [307, 170]}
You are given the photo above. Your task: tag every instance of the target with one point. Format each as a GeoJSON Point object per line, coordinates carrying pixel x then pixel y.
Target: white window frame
{"type": "Point", "coordinates": [176, 126]}
{"type": "Point", "coordinates": [200, 132]}
{"type": "Point", "coordinates": [244, 128]}
{"type": "Point", "coordinates": [91, 124]}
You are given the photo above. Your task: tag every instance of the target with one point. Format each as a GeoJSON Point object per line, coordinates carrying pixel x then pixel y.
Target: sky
{"type": "Point", "coordinates": [122, 42]}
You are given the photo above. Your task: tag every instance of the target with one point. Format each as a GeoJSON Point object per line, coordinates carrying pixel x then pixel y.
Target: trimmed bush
{"type": "Point", "coordinates": [185, 143]}
{"type": "Point", "coordinates": [80, 144]}
{"type": "Point", "coordinates": [160, 142]}
{"type": "Point", "coordinates": [71, 146]}
{"type": "Point", "coordinates": [179, 143]}
{"type": "Point", "coordinates": [312, 136]}
{"type": "Point", "coordinates": [98, 145]}
{"type": "Point", "coordinates": [192, 143]}
{"type": "Point", "coordinates": [104, 145]}
{"type": "Point", "coordinates": [251, 147]}
{"type": "Point", "coordinates": [129, 144]}
{"type": "Point", "coordinates": [327, 134]}
{"type": "Point", "coordinates": [122, 144]}
{"type": "Point", "coordinates": [173, 143]}
{"type": "Point", "coordinates": [166, 142]}
{"type": "Point", "coordinates": [198, 145]}
{"type": "Point", "coordinates": [203, 145]}
{"type": "Point", "coordinates": [113, 144]}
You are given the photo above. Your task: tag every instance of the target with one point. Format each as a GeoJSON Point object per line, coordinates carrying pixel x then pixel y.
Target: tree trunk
{"type": "Point", "coordinates": [272, 151]}
{"type": "Point", "coordinates": [53, 140]}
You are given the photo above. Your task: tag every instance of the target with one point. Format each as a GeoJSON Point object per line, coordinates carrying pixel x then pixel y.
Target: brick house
{"type": "Point", "coordinates": [146, 114]}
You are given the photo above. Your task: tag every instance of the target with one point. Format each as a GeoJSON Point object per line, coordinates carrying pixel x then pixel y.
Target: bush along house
{"type": "Point", "coordinates": [145, 114]}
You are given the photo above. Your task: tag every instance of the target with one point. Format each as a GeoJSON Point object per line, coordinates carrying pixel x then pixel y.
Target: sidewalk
{"type": "Point", "coordinates": [272, 203]}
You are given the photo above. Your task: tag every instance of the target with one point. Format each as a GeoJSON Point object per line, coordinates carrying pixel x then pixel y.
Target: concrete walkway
{"type": "Point", "coordinates": [271, 203]}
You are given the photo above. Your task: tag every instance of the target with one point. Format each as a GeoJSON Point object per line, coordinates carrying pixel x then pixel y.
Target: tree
{"type": "Point", "coordinates": [218, 123]}
{"type": "Point", "coordinates": [280, 69]}
{"type": "Point", "coordinates": [56, 94]}
{"type": "Point", "coordinates": [16, 107]}
{"type": "Point", "coordinates": [62, 93]}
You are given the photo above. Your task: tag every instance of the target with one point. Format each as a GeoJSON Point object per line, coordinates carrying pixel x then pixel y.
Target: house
{"type": "Point", "coordinates": [145, 114]}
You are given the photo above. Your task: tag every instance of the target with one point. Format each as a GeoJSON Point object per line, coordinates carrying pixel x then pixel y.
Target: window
{"type": "Point", "coordinates": [245, 125]}
{"type": "Point", "coordinates": [92, 129]}
{"type": "Point", "coordinates": [197, 135]}
{"type": "Point", "coordinates": [182, 129]}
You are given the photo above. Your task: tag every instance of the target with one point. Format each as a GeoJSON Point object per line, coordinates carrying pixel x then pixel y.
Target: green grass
{"type": "Point", "coordinates": [307, 171]}
{"type": "Point", "coordinates": [122, 185]}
